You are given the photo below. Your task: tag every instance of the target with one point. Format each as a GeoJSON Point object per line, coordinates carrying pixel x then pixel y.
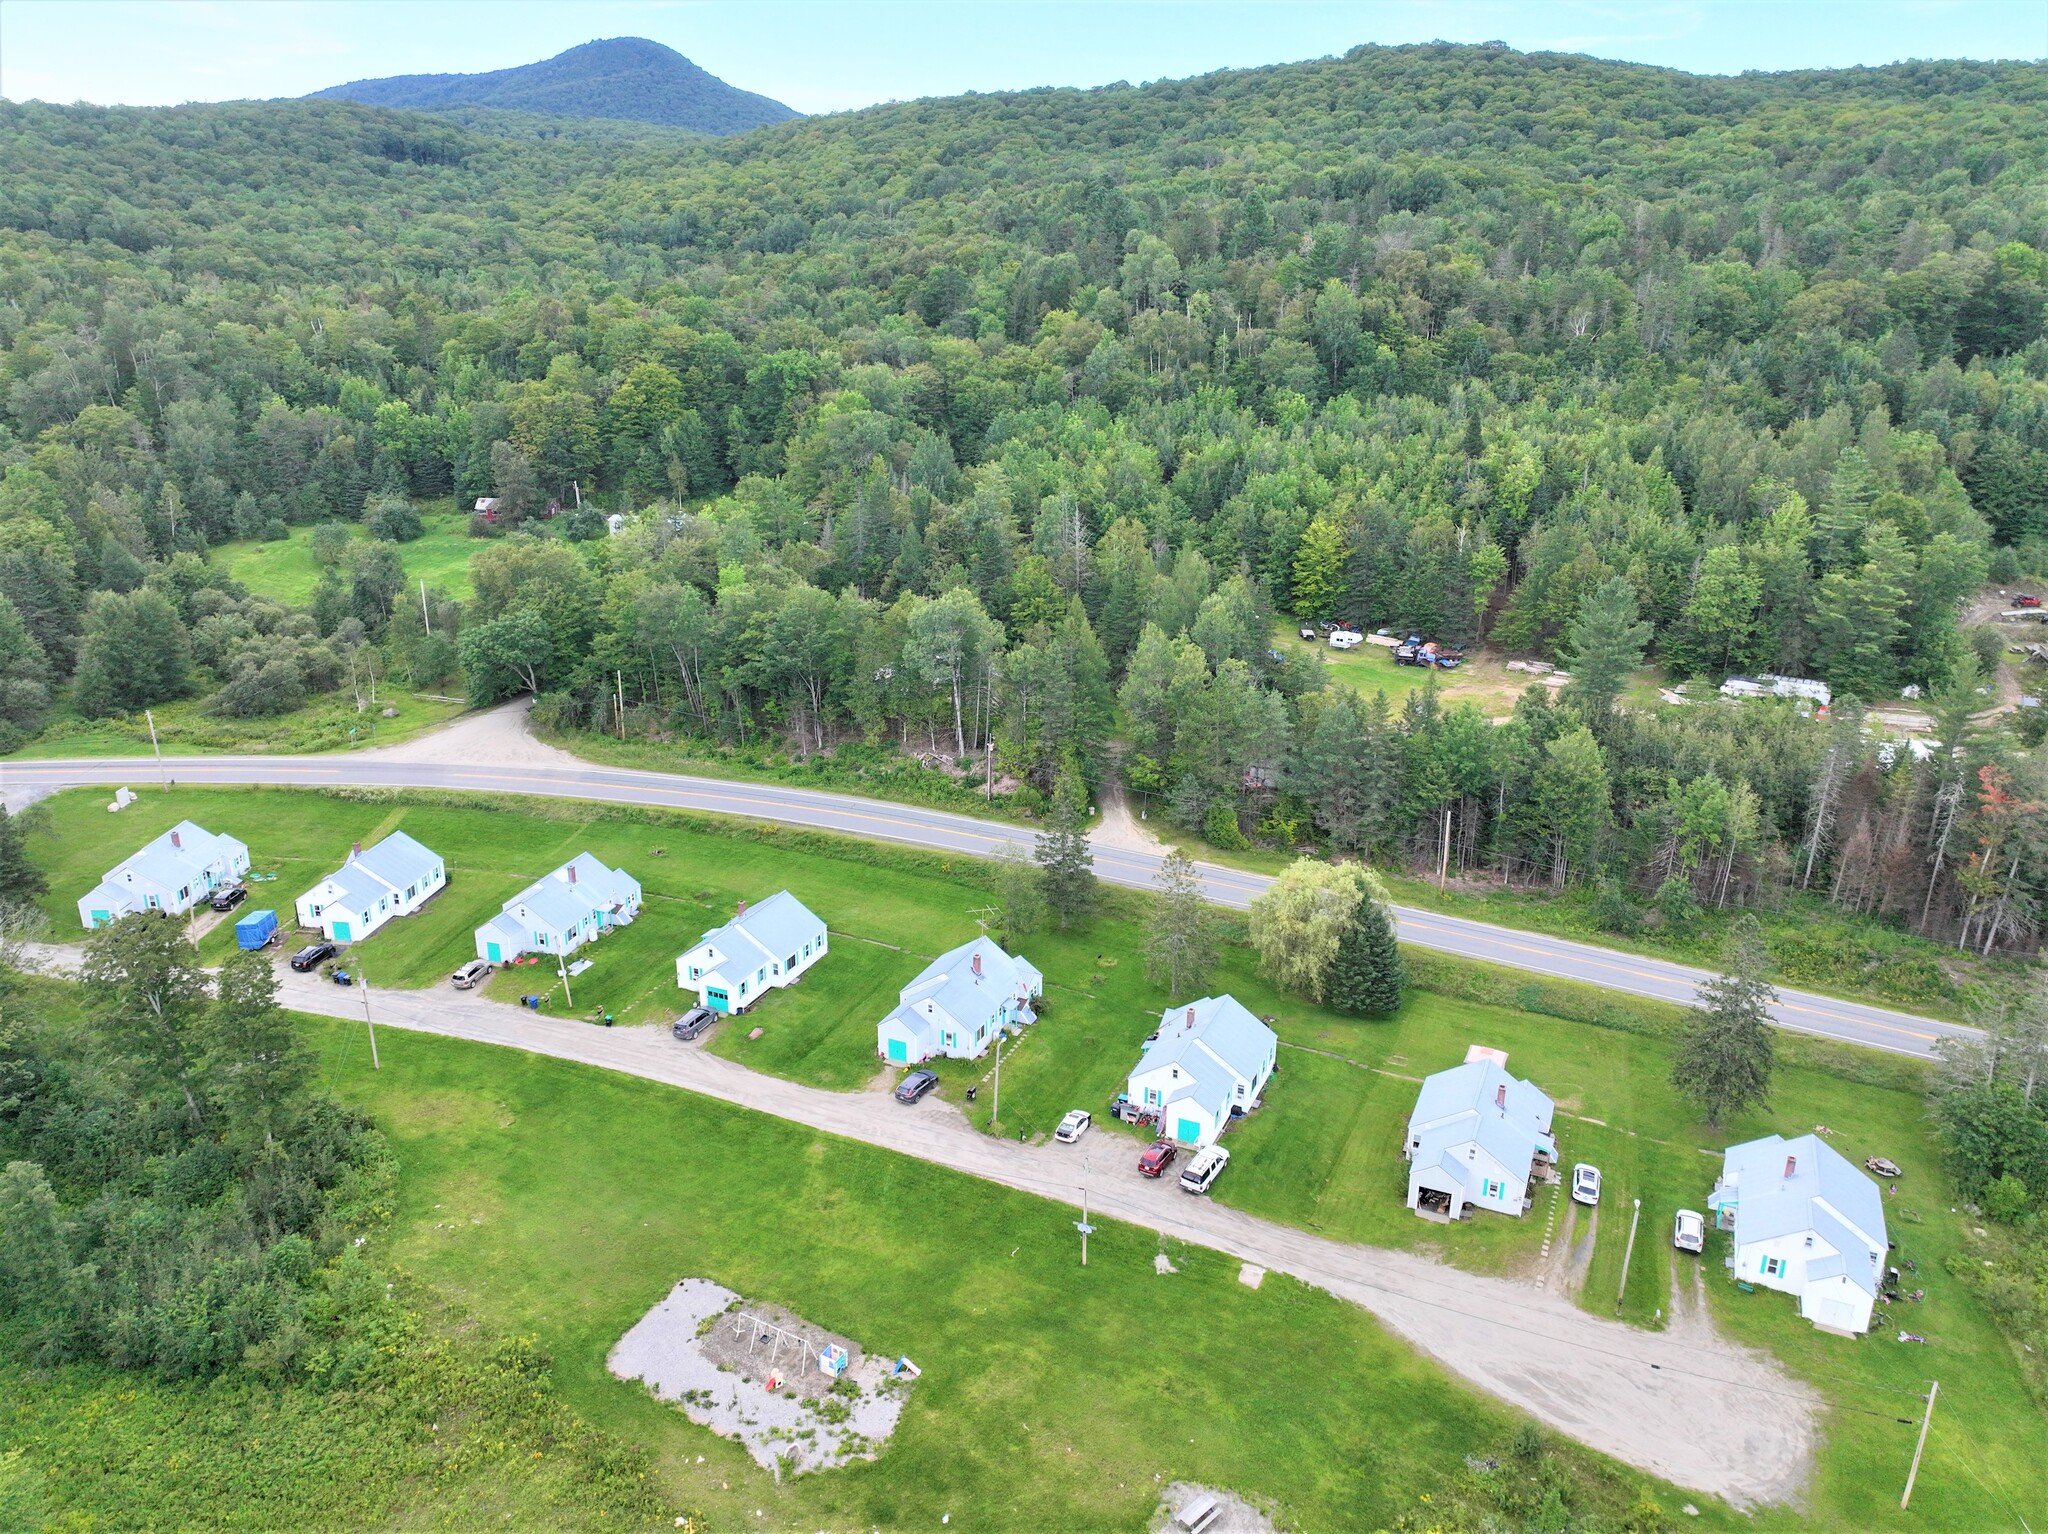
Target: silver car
{"type": "Point", "coordinates": [1585, 1184]}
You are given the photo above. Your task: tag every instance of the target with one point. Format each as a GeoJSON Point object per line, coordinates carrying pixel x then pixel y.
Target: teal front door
{"type": "Point", "coordinates": [99, 918]}
{"type": "Point", "coordinates": [899, 1052]}
{"type": "Point", "coordinates": [491, 952]}
{"type": "Point", "coordinates": [341, 932]}
{"type": "Point", "coordinates": [1188, 1130]}
{"type": "Point", "coordinates": [717, 1000]}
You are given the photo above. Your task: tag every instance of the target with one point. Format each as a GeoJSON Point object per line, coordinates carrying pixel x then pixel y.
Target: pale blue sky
{"type": "Point", "coordinates": [830, 55]}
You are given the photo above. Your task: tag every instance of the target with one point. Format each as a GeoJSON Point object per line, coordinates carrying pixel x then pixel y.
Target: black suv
{"type": "Point", "coordinates": [313, 954]}
{"type": "Point", "coordinates": [915, 1085]}
{"type": "Point", "coordinates": [227, 899]}
{"type": "Point", "coordinates": [693, 1023]}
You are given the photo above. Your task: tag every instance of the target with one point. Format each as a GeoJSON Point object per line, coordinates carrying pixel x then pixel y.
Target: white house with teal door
{"type": "Point", "coordinates": [1806, 1222]}
{"type": "Point", "coordinates": [394, 878]}
{"type": "Point", "coordinates": [1208, 1063]}
{"type": "Point", "coordinates": [576, 904]}
{"type": "Point", "coordinates": [1478, 1138]}
{"type": "Point", "coordinates": [959, 1004]}
{"type": "Point", "coordinates": [174, 873]}
{"type": "Point", "coordinates": [762, 949]}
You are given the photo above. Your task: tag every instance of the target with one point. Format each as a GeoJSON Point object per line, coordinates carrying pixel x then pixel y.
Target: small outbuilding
{"type": "Point", "coordinates": [1478, 1138]}
{"type": "Point", "coordinates": [394, 878]}
{"type": "Point", "coordinates": [762, 949]}
{"type": "Point", "coordinates": [174, 873]}
{"type": "Point", "coordinates": [1208, 1063]}
{"type": "Point", "coordinates": [1806, 1222]}
{"type": "Point", "coordinates": [576, 904]}
{"type": "Point", "coordinates": [959, 1004]}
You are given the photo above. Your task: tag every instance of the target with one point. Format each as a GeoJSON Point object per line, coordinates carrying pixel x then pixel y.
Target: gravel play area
{"type": "Point", "coordinates": [714, 1354]}
{"type": "Point", "coordinates": [1234, 1515]}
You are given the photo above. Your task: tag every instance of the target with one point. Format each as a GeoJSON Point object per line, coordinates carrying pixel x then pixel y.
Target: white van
{"type": "Point", "coordinates": [1200, 1174]}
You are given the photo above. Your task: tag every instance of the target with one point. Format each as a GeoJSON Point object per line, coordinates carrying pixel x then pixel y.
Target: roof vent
{"type": "Point", "coordinates": [177, 840]}
{"type": "Point", "coordinates": [1500, 1096]}
{"type": "Point", "coordinates": [1791, 1164]}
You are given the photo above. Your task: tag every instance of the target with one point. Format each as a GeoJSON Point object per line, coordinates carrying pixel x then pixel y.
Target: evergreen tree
{"type": "Point", "coordinates": [1319, 569]}
{"type": "Point", "coordinates": [254, 1061]}
{"type": "Point", "coordinates": [1065, 864]}
{"type": "Point", "coordinates": [1180, 935]}
{"type": "Point", "coordinates": [1726, 1054]}
{"type": "Point", "coordinates": [134, 654]}
{"type": "Point", "coordinates": [1606, 641]}
{"type": "Point", "coordinates": [1367, 977]}
{"type": "Point", "coordinates": [20, 878]}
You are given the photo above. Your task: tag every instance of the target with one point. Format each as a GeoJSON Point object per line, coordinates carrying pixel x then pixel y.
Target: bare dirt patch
{"type": "Point", "coordinates": [1234, 1514]}
{"type": "Point", "coordinates": [715, 1355]}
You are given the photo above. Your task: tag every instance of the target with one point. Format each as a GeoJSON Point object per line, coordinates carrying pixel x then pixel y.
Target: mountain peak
{"type": "Point", "coordinates": [632, 78]}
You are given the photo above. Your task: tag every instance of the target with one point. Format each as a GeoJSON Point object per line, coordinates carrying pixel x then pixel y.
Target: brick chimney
{"type": "Point", "coordinates": [356, 850]}
{"type": "Point", "coordinates": [177, 840]}
{"type": "Point", "coordinates": [1791, 1164]}
{"type": "Point", "coordinates": [1191, 1017]}
{"type": "Point", "coordinates": [572, 873]}
{"type": "Point", "coordinates": [977, 964]}
{"type": "Point", "coordinates": [1500, 1096]}
{"type": "Point", "coordinates": [741, 911]}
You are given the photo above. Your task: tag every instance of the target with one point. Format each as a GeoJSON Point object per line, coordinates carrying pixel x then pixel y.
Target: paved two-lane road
{"type": "Point", "coordinates": [938, 830]}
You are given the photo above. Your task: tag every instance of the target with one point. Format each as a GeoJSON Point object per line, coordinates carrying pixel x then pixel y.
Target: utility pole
{"type": "Point", "coordinates": [1926, 1417]}
{"type": "Point", "coordinates": [995, 1098]}
{"type": "Point", "coordinates": [988, 771]}
{"type": "Point", "coordinates": [562, 969]}
{"type": "Point", "coordinates": [619, 681]}
{"type": "Point", "coordinates": [425, 617]}
{"type": "Point", "coordinates": [1628, 1253]}
{"type": "Point", "coordinates": [363, 980]}
{"type": "Point", "coordinates": [1443, 869]}
{"type": "Point", "coordinates": [1082, 1224]}
{"type": "Point", "coordinates": [159, 750]}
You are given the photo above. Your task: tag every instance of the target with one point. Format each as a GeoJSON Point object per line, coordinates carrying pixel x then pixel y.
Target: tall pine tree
{"type": "Point", "coordinates": [1726, 1055]}
{"type": "Point", "coordinates": [1367, 977]}
{"type": "Point", "coordinates": [1064, 861]}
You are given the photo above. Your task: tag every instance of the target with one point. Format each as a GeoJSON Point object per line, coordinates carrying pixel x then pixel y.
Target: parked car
{"type": "Point", "coordinates": [2026, 599]}
{"type": "Point", "coordinates": [1072, 1127]}
{"type": "Point", "coordinates": [915, 1085]}
{"type": "Point", "coordinates": [313, 955]}
{"type": "Point", "coordinates": [227, 899]}
{"type": "Point", "coordinates": [692, 1023]}
{"type": "Point", "coordinates": [471, 975]}
{"type": "Point", "coordinates": [1157, 1158]}
{"type": "Point", "coordinates": [1689, 1233]}
{"type": "Point", "coordinates": [1276, 657]}
{"type": "Point", "coordinates": [1884, 1166]}
{"type": "Point", "coordinates": [1200, 1174]}
{"type": "Point", "coordinates": [1586, 1183]}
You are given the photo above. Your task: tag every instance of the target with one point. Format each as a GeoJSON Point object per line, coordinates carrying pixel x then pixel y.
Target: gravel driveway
{"type": "Point", "coordinates": [1696, 1410]}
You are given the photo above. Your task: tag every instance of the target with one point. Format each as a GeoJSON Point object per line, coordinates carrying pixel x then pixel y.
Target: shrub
{"type": "Point", "coordinates": [394, 520]}
{"type": "Point", "coordinates": [2005, 1199]}
{"type": "Point", "coordinates": [1219, 827]}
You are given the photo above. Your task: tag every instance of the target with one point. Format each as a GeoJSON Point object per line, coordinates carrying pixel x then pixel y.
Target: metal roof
{"type": "Point", "coordinates": [398, 860]}
{"type": "Point", "coordinates": [1223, 1027]}
{"type": "Point", "coordinates": [950, 983]}
{"type": "Point", "coordinates": [1825, 1195]}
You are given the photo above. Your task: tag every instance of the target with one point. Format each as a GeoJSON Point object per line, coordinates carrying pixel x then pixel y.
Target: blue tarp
{"type": "Point", "coordinates": [255, 929]}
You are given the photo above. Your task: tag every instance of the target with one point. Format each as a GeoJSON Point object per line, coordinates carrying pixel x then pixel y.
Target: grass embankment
{"type": "Point", "coordinates": [186, 729]}
{"type": "Point", "coordinates": [851, 768]}
{"type": "Point", "coordinates": [286, 571]}
{"type": "Point", "coordinates": [1322, 1154]}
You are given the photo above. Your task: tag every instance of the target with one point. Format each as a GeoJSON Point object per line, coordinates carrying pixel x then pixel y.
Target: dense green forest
{"type": "Point", "coordinates": [628, 78]}
{"type": "Point", "coordinates": [1000, 428]}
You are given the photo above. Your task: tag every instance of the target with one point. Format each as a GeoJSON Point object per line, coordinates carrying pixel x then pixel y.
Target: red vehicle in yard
{"type": "Point", "coordinates": [2024, 600]}
{"type": "Point", "coordinates": [1157, 1158]}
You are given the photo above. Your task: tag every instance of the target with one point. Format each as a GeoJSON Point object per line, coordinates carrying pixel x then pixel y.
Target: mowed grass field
{"type": "Point", "coordinates": [1322, 1153]}
{"type": "Point", "coordinates": [286, 571]}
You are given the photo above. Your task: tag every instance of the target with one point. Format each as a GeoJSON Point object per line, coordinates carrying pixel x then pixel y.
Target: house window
{"type": "Point", "coordinates": [743, 987]}
{"type": "Point", "coordinates": [760, 976]}
{"type": "Point", "coordinates": [949, 1041]}
{"type": "Point", "coordinates": [1773, 1266]}
{"type": "Point", "coordinates": [696, 973]}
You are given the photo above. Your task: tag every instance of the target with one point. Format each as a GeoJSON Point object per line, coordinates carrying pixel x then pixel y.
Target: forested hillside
{"type": "Point", "coordinates": [1008, 423]}
{"type": "Point", "coordinates": [628, 78]}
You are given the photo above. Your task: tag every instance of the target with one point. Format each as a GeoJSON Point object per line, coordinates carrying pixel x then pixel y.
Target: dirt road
{"type": "Point", "coordinates": [1698, 1411]}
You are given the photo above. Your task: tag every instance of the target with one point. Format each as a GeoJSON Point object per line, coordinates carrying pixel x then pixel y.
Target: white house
{"type": "Point", "coordinates": [763, 948]}
{"type": "Point", "coordinates": [1476, 1139]}
{"type": "Point", "coordinates": [1806, 1222]}
{"type": "Point", "coordinates": [1208, 1062]}
{"type": "Point", "coordinates": [394, 878]}
{"type": "Point", "coordinates": [558, 914]}
{"type": "Point", "coordinates": [959, 1003]}
{"type": "Point", "coordinates": [173, 873]}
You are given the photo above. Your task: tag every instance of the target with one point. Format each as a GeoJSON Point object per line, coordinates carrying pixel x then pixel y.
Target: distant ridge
{"type": "Point", "coordinates": [620, 77]}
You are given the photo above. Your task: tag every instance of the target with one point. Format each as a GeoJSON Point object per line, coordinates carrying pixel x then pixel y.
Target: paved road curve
{"type": "Point", "coordinates": [1659, 979]}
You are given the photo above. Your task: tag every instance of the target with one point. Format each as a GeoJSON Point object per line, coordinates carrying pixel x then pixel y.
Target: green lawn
{"type": "Point", "coordinates": [564, 1201]}
{"type": "Point", "coordinates": [286, 572]}
{"type": "Point", "coordinates": [186, 729]}
{"type": "Point", "coordinates": [1321, 1154]}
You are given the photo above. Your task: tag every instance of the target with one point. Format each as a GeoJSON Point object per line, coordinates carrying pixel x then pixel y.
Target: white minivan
{"type": "Point", "coordinates": [1200, 1174]}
